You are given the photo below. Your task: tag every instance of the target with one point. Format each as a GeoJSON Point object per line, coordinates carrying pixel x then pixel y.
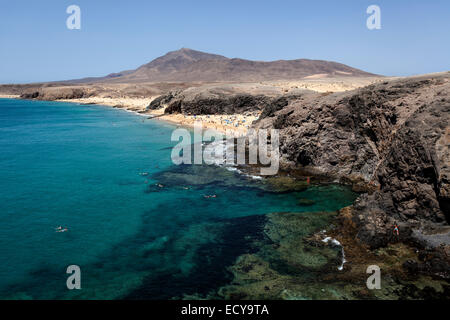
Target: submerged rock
{"type": "Point", "coordinates": [283, 184]}
{"type": "Point", "coordinates": [306, 202]}
{"type": "Point", "coordinates": [294, 263]}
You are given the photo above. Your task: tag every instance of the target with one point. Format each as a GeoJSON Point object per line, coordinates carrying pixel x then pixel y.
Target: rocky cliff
{"type": "Point", "coordinates": [391, 139]}
{"type": "Point", "coordinates": [213, 100]}
{"type": "Point", "coordinates": [57, 93]}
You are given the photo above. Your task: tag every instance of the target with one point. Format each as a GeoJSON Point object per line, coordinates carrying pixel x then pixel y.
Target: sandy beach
{"type": "Point", "coordinates": [238, 124]}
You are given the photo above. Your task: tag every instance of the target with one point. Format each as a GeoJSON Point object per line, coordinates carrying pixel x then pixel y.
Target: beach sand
{"type": "Point", "coordinates": [238, 124]}
{"type": "Point", "coordinates": [131, 104]}
{"type": "Point", "coordinates": [319, 83]}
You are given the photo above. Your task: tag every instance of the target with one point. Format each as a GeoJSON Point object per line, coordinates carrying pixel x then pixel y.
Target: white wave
{"type": "Point", "coordinates": [254, 177]}
{"type": "Point", "coordinates": [334, 241]}
{"type": "Point", "coordinates": [337, 243]}
{"type": "Point", "coordinates": [233, 169]}
{"type": "Point", "coordinates": [219, 150]}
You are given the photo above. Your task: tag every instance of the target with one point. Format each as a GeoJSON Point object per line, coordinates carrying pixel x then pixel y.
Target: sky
{"type": "Point", "coordinates": [36, 45]}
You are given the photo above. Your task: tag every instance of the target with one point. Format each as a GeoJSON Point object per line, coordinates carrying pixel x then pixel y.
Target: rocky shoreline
{"type": "Point", "coordinates": [389, 140]}
{"type": "Point", "coordinates": [294, 262]}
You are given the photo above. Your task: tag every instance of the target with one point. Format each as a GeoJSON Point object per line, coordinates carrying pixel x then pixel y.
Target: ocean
{"type": "Point", "coordinates": [95, 170]}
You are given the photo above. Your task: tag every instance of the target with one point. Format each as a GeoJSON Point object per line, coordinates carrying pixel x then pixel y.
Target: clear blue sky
{"type": "Point", "coordinates": [35, 44]}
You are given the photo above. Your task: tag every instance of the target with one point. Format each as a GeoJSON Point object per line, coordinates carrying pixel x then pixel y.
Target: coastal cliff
{"type": "Point", "coordinates": [390, 139]}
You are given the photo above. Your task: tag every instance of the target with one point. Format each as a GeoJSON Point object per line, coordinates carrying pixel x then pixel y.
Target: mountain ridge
{"type": "Point", "coordinates": [191, 65]}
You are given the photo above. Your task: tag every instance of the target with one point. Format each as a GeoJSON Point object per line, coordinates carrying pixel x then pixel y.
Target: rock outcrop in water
{"type": "Point", "coordinates": [293, 261]}
{"type": "Point", "coordinates": [391, 139]}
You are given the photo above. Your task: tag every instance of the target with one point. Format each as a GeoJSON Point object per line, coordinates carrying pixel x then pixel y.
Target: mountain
{"type": "Point", "coordinates": [191, 65]}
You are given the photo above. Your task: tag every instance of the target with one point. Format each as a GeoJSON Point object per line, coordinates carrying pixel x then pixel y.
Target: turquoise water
{"type": "Point", "coordinates": [80, 167]}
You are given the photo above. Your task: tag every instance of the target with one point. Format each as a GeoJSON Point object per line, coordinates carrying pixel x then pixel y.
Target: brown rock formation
{"type": "Point", "coordinates": [391, 136]}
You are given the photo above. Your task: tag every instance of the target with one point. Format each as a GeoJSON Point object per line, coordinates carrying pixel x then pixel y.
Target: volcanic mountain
{"type": "Point", "coordinates": [191, 65]}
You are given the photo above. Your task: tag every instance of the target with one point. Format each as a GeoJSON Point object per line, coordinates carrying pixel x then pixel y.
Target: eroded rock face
{"type": "Point", "coordinates": [223, 104]}
{"type": "Point", "coordinates": [209, 102]}
{"type": "Point", "coordinates": [51, 93]}
{"type": "Point", "coordinates": [163, 100]}
{"type": "Point", "coordinates": [392, 136]}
